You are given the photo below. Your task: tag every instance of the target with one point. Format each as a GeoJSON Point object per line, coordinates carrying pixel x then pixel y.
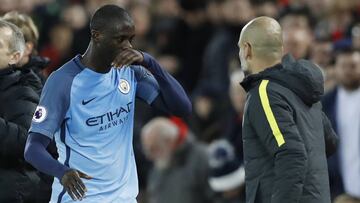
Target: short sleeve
{"type": "Point", "coordinates": [147, 86]}
{"type": "Point", "coordinates": [53, 105]}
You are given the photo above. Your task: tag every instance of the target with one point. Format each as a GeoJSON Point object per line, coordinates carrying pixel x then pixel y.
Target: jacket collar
{"type": "Point", "coordinates": [6, 71]}
{"type": "Point", "coordinates": [252, 80]}
{"type": "Point", "coordinates": [8, 77]}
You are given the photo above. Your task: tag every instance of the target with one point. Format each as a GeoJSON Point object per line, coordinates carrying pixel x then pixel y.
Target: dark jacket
{"type": "Point", "coordinates": [37, 64]}
{"type": "Point", "coordinates": [336, 183]}
{"type": "Point", "coordinates": [18, 102]}
{"type": "Point", "coordinates": [30, 79]}
{"type": "Point", "coordinates": [285, 134]}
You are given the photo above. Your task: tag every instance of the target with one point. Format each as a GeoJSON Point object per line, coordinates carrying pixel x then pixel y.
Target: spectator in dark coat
{"type": "Point", "coordinates": [18, 181]}
{"type": "Point", "coordinates": [30, 61]}
{"type": "Point", "coordinates": [192, 34]}
{"type": "Point", "coordinates": [221, 54]}
{"type": "Point", "coordinates": [342, 107]}
{"type": "Point", "coordinates": [31, 66]}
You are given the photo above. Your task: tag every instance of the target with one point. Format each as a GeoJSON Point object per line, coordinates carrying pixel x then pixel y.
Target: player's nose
{"type": "Point", "coordinates": [127, 44]}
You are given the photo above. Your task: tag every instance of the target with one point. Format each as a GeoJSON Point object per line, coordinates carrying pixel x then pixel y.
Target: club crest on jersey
{"type": "Point", "coordinates": [40, 114]}
{"type": "Point", "coordinates": [124, 86]}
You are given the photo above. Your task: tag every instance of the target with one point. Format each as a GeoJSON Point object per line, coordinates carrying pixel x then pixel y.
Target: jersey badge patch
{"type": "Point", "coordinates": [40, 114]}
{"type": "Point", "coordinates": [124, 86]}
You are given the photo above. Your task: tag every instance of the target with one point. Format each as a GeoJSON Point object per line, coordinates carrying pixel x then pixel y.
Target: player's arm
{"type": "Point", "coordinates": [272, 119]}
{"type": "Point", "coordinates": [331, 139]}
{"type": "Point", "coordinates": [159, 88]}
{"type": "Point", "coordinates": [37, 155]}
{"type": "Point", "coordinates": [48, 117]}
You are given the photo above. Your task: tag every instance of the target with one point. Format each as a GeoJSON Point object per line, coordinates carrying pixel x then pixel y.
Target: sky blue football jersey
{"type": "Point", "coordinates": [91, 116]}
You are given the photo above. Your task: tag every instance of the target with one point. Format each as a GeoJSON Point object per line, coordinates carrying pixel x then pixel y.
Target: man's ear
{"type": "Point", "coordinates": [15, 58]}
{"type": "Point", "coordinates": [248, 51]}
{"type": "Point", "coordinates": [95, 35]}
{"type": "Point", "coordinates": [29, 47]}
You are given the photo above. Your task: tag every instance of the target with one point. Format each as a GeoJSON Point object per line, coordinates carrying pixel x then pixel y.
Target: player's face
{"type": "Point", "coordinates": [119, 38]}
{"type": "Point", "coordinates": [123, 37]}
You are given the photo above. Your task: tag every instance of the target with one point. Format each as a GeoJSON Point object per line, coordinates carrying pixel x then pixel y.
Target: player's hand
{"type": "Point", "coordinates": [73, 184]}
{"type": "Point", "coordinates": [128, 56]}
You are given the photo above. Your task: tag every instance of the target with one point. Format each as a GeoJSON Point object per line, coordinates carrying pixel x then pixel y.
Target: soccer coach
{"type": "Point", "coordinates": [285, 132]}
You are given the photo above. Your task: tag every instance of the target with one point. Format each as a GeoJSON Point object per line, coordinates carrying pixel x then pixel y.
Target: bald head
{"type": "Point", "coordinates": [262, 41]}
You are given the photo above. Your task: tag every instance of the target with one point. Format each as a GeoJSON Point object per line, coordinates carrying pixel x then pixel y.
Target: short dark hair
{"type": "Point", "coordinates": [16, 41]}
{"type": "Point", "coordinates": [106, 16]}
{"type": "Point", "coordinates": [299, 11]}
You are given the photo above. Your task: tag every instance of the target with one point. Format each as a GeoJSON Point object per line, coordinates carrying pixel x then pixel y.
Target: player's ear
{"type": "Point", "coordinates": [95, 35]}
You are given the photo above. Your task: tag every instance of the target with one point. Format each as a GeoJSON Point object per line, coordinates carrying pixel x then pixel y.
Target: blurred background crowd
{"type": "Point", "coordinates": [199, 158]}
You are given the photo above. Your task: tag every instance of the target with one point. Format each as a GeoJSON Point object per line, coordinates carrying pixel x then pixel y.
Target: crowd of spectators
{"type": "Point", "coordinates": [196, 41]}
